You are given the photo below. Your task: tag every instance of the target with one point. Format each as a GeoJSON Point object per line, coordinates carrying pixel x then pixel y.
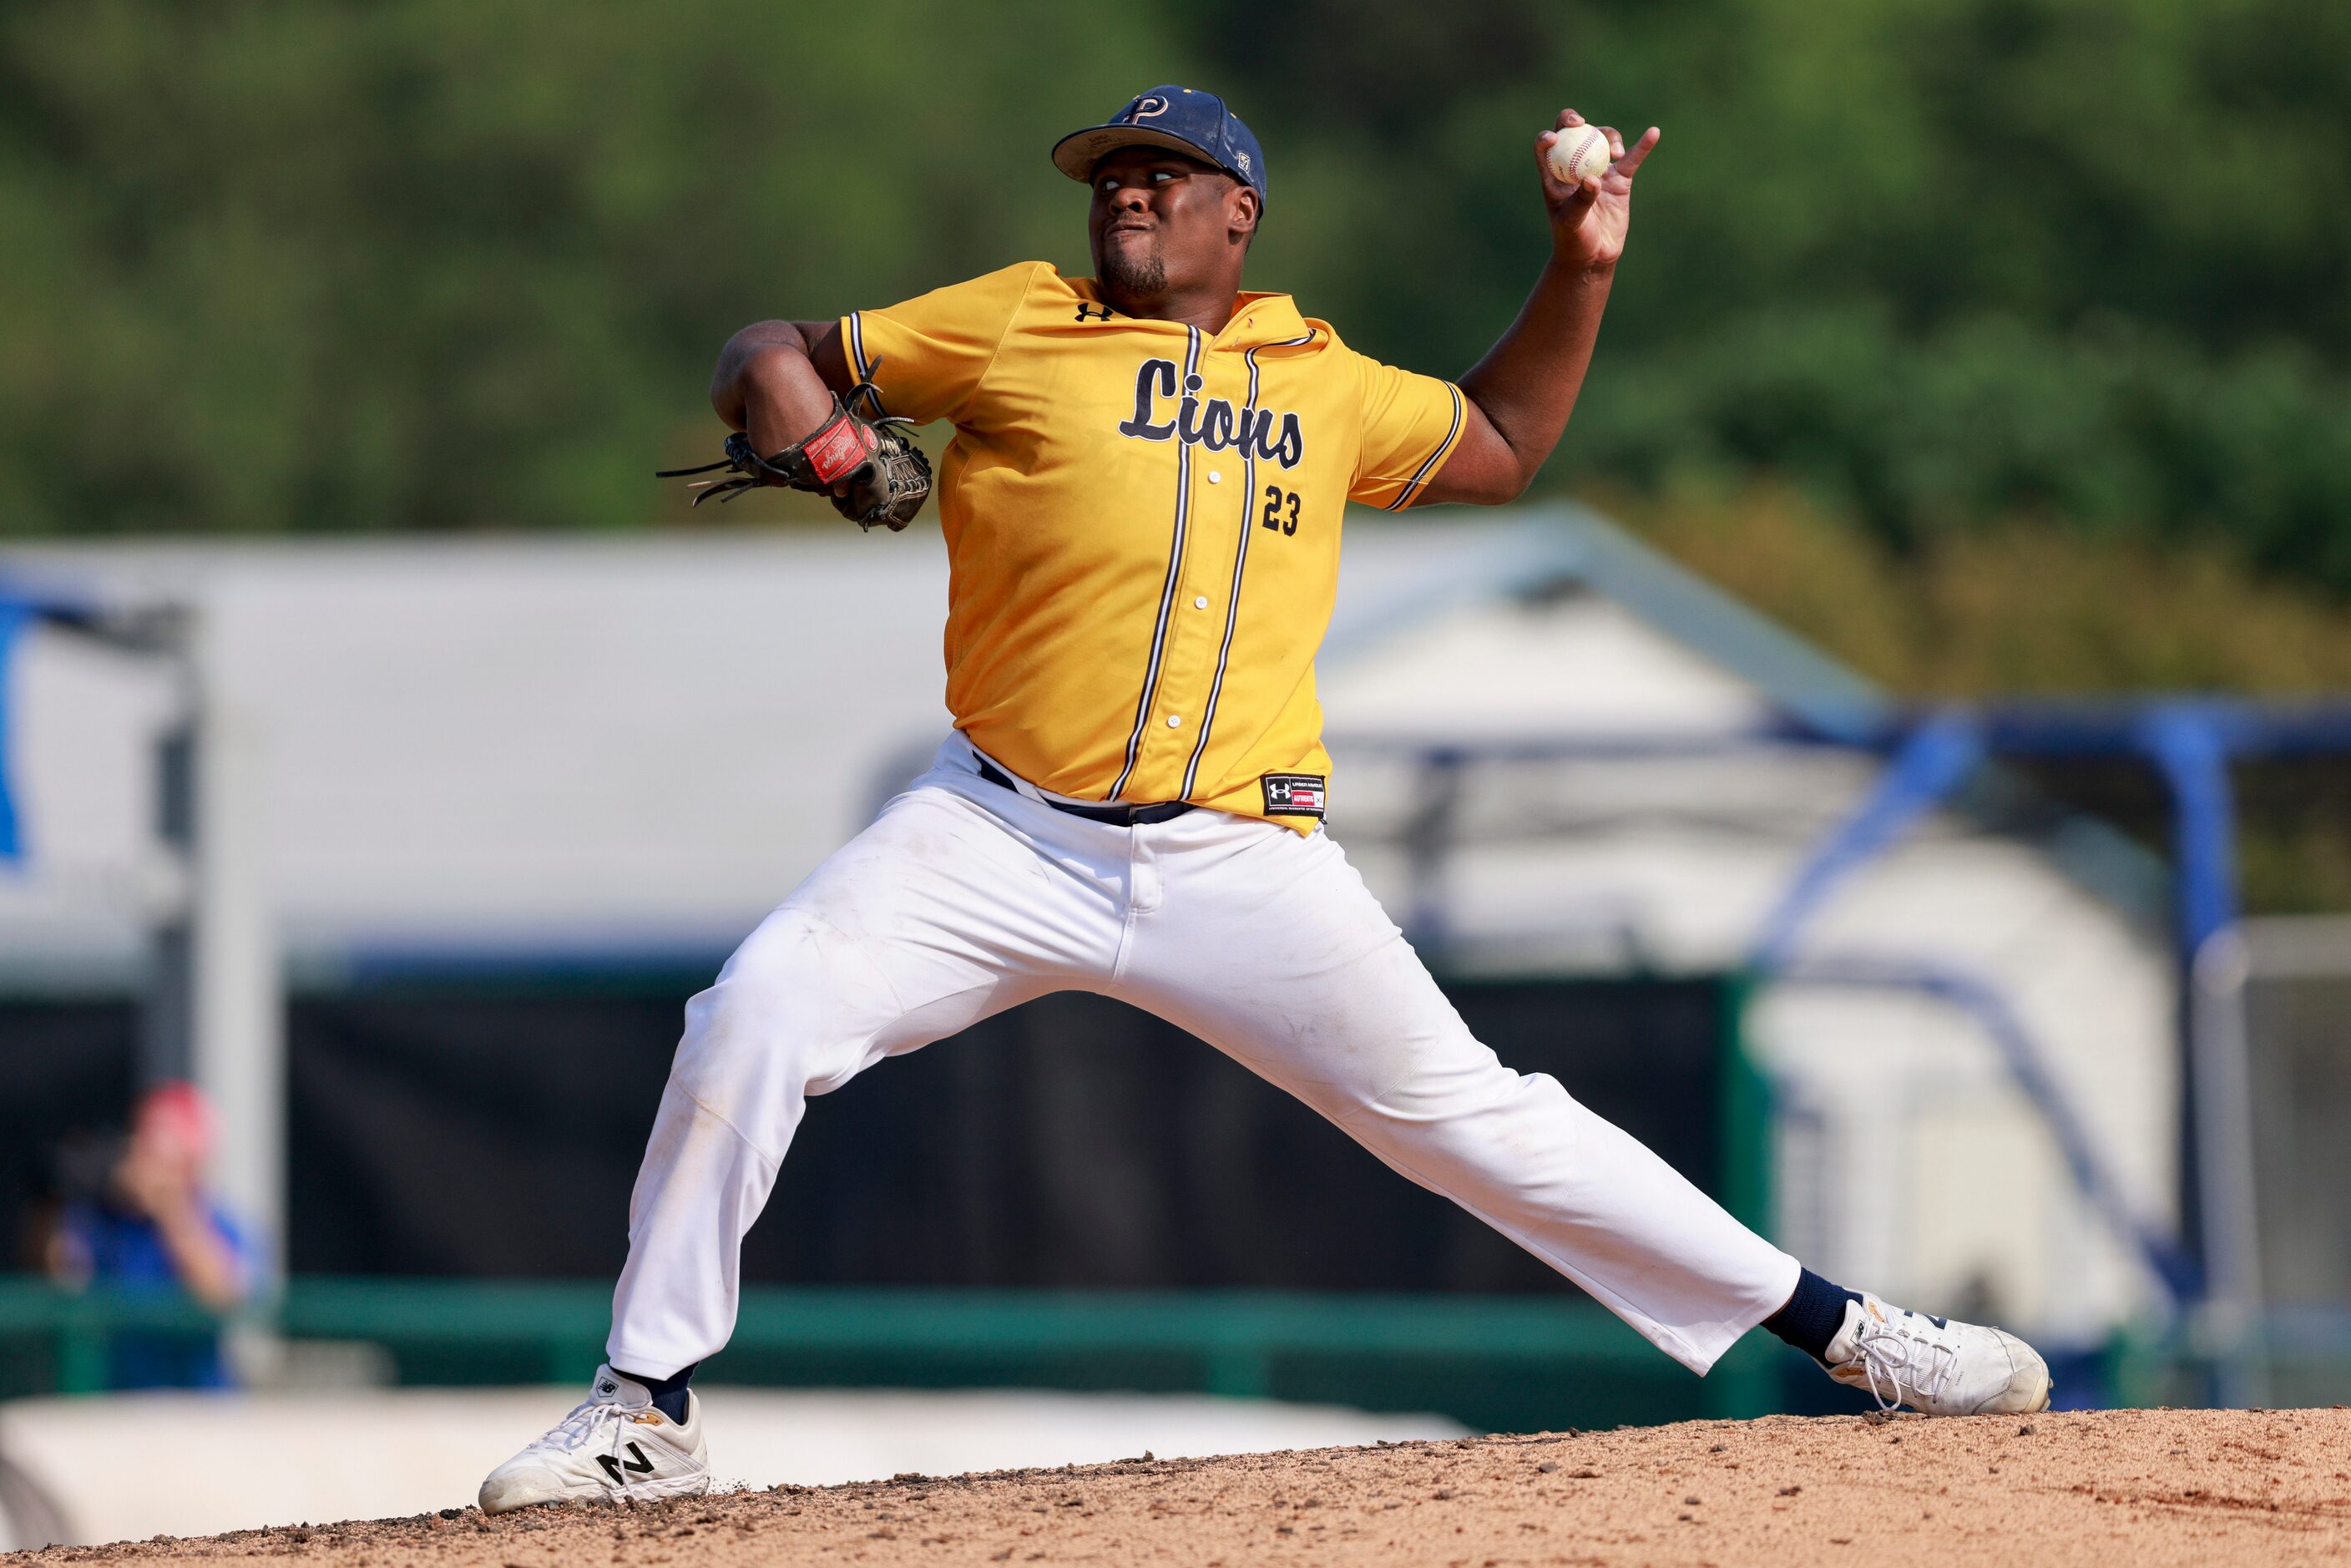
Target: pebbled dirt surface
{"type": "Point", "coordinates": [2148, 1488]}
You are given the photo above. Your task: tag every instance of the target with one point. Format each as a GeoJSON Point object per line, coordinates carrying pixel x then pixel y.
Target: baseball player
{"type": "Point", "coordinates": [1141, 506]}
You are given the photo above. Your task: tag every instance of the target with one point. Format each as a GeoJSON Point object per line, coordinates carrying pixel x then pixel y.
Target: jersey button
{"type": "Point", "coordinates": [1175, 721]}
{"type": "Point", "coordinates": [1214, 477]}
{"type": "Point", "coordinates": [1201, 602]}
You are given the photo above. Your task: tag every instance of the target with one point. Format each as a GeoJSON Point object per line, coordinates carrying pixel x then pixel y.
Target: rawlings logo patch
{"type": "Point", "coordinates": [1292, 794]}
{"type": "Point", "coordinates": [840, 448]}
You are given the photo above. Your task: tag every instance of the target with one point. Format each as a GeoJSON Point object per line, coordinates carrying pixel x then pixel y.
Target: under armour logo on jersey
{"type": "Point", "coordinates": [1210, 422]}
{"type": "Point", "coordinates": [1293, 794]}
{"type": "Point", "coordinates": [1099, 312]}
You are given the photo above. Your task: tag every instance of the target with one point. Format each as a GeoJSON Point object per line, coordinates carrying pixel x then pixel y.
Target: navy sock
{"type": "Point", "coordinates": [1812, 1315]}
{"type": "Point", "coordinates": [669, 1393]}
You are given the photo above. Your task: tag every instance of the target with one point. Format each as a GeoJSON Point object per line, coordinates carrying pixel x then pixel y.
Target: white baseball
{"type": "Point", "coordinates": [1579, 152]}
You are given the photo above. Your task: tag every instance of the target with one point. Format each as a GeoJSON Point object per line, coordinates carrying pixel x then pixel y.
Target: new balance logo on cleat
{"type": "Point", "coordinates": [591, 1455]}
{"type": "Point", "coordinates": [636, 1464]}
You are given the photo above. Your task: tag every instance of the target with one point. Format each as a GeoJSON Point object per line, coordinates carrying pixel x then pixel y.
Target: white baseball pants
{"type": "Point", "coordinates": [965, 898]}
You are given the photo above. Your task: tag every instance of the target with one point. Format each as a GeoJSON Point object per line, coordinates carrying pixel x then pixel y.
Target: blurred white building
{"type": "Point", "coordinates": [519, 749]}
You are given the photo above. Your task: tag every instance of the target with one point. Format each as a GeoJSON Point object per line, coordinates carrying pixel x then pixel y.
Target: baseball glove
{"type": "Point", "coordinates": [886, 475]}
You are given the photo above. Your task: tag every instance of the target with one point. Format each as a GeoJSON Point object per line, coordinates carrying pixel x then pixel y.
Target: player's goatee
{"type": "Point", "coordinates": [1144, 275]}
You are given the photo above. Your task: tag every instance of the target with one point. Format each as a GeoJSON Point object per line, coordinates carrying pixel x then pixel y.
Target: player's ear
{"type": "Point", "coordinates": [1240, 214]}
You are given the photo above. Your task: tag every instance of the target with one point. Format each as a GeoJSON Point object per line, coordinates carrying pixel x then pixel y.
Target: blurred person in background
{"type": "Point", "coordinates": [137, 1216]}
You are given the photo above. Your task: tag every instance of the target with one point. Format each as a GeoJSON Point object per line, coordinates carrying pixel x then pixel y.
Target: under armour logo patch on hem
{"type": "Point", "coordinates": [1293, 794]}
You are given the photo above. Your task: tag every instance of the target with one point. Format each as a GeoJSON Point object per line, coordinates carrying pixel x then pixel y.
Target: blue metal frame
{"type": "Point", "coordinates": [13, 617]}
{"type": "Point", "coordinates": [1935, 759]}
{"type": "Point", "coordinates": [2187, 747]}
{"type": "Point", "coordinates": [2189, 741]}
{"type": "Point", "coordinates": [21, 605]}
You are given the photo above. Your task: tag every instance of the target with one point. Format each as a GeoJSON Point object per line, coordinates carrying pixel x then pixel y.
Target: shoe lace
{"type": "Point", "coordinates": [1898, 1355]}
{"type": "Point", "coordinates": [580, 1426]}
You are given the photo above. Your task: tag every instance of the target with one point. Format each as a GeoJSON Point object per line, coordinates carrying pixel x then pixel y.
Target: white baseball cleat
{"type": "Point", "coordinates": [1936, 1366]}
{"type": "Point", "coordinates": [616, 1448]}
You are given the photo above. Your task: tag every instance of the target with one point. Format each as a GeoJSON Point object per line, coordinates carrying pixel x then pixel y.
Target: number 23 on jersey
{"type": "Point", "coordinates": [1280, 509]}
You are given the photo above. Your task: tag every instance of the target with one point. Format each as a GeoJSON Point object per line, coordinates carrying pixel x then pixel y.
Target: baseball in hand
{"type": "Point", "coordinates": [1579, 152]}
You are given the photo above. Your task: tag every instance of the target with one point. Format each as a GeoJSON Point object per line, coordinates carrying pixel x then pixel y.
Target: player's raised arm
{"type": "Point", "coordinates": [1520, 393]}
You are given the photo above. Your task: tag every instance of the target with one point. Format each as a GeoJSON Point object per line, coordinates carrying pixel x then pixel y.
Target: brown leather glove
{"type": "Point", "coordinates": [871, 469]}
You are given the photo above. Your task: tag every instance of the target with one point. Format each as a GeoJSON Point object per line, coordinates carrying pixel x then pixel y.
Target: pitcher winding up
{"type": "Point", "coordinates": [1142, 506]}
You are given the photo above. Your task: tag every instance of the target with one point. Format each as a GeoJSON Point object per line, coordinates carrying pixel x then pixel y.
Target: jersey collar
{"type": "Point", "coordinates": [1261, 319]}
{"type": "Point", "coordinates": [1258, 319]}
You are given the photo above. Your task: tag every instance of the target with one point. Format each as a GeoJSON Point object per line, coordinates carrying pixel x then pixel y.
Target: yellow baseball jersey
{"type": "Point", "coordinates": [1142, 522]}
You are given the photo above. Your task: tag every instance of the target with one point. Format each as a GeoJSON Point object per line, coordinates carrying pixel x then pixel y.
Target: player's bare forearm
{"type": "Point", "coordinates": [1521, 393]}
{"type": "Point", "coordinates": [774, 381]}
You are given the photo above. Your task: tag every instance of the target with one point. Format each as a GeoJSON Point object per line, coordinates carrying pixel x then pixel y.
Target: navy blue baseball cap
{"type": "Point", "coordinates": [1174, 117]}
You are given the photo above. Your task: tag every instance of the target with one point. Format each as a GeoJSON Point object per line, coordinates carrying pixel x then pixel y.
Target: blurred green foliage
{"type": "Point", "coordinates": [426, 264]}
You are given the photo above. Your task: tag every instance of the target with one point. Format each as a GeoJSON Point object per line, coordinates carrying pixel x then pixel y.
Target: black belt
{"type": "Point", "coordinates": [1116, 816]}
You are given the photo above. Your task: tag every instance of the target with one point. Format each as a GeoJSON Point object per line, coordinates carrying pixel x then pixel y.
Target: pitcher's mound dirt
{"type": "Point", "coordinates": [2139, 1488]}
